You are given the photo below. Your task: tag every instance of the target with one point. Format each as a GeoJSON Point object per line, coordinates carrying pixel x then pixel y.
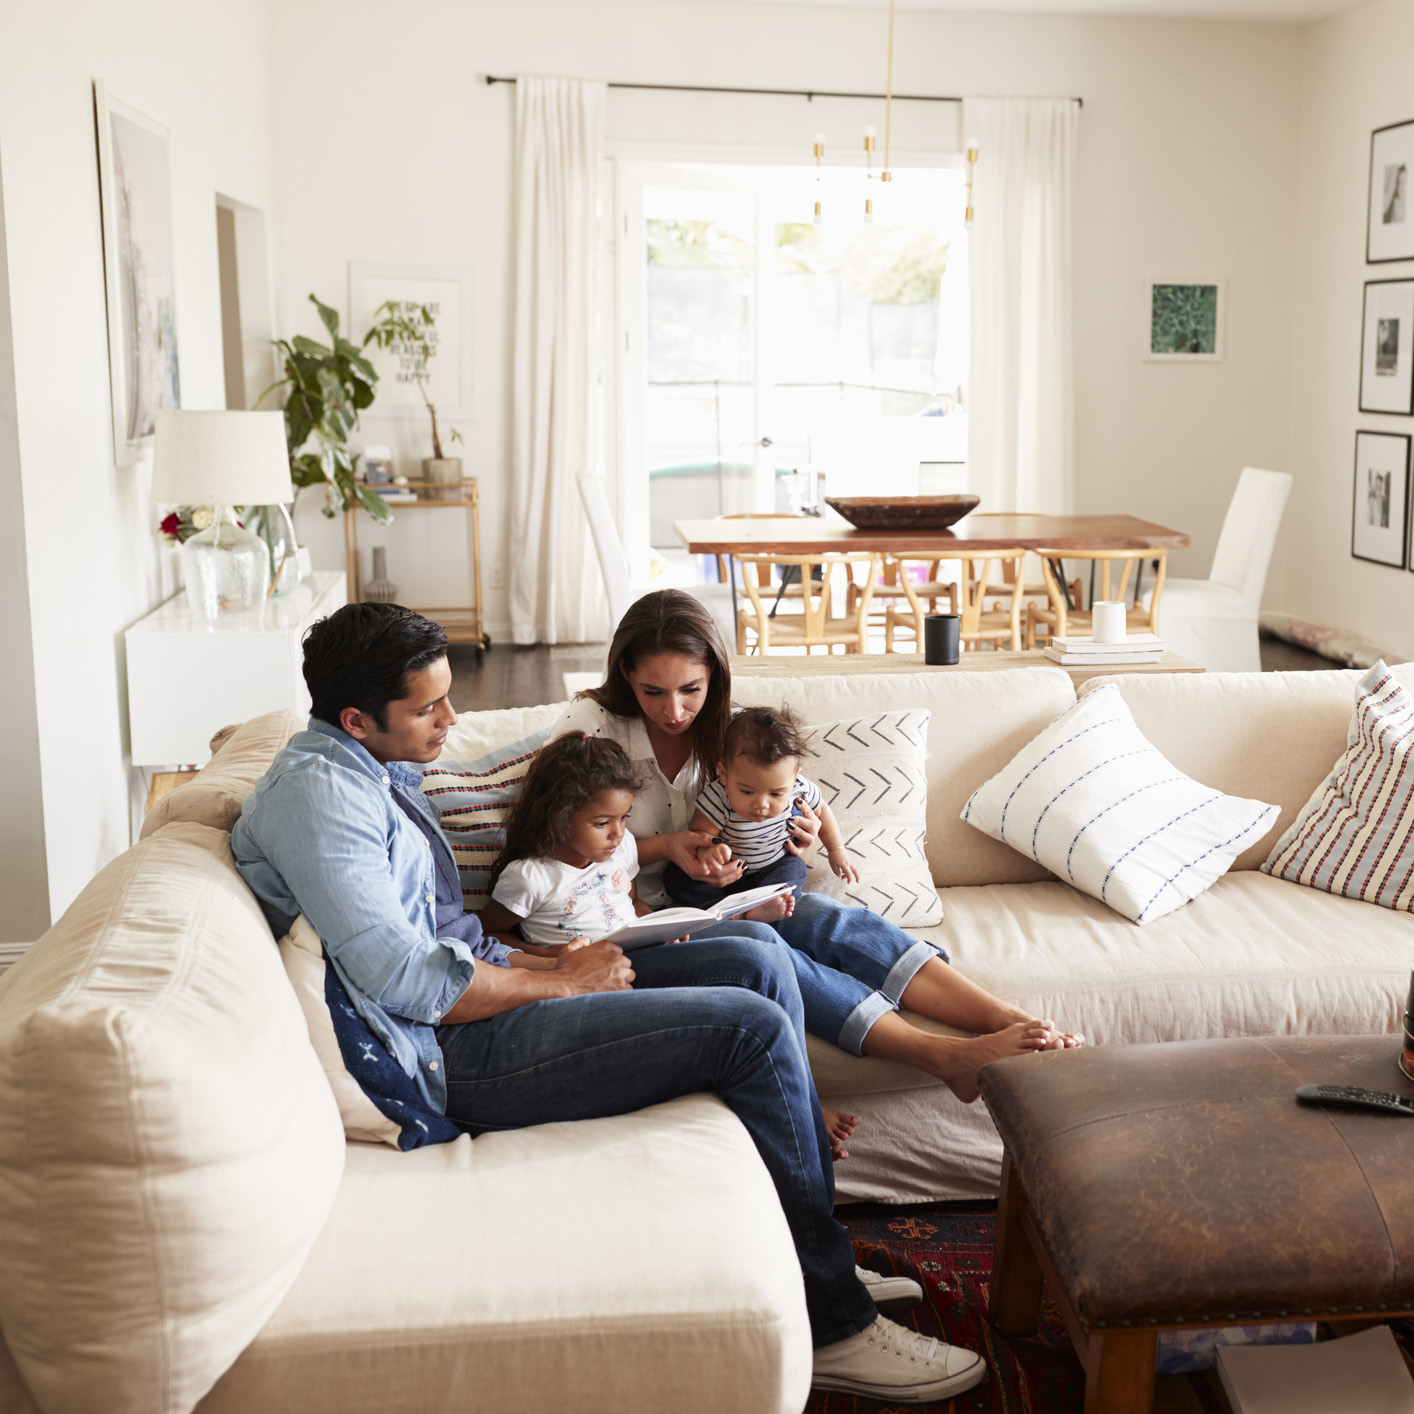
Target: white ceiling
{"type": "Point", "coordinates": [1292, 12]}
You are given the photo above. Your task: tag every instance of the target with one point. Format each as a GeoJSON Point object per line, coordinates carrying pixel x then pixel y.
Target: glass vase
{"type": "Point", "coordinates": [277, 530]}
{"type": "Point", "coordinates": [225, 568]}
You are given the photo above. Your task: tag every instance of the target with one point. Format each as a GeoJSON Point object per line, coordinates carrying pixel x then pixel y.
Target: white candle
{"type": "Point", "coordinates": [1107, 621]}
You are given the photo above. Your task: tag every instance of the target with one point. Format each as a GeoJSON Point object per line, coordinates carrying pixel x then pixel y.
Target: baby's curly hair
{"type": "Point", "coordinates": [764, 735]}
{"type": "Point", "coordinates": [566, 774]}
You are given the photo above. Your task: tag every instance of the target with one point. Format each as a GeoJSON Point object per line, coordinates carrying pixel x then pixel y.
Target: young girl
{"type": "Point", "coordinates": [566, 871]}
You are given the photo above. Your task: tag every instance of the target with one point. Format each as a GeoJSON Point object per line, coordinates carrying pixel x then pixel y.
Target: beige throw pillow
{"type": "Point", "coordinates": [871, 772]}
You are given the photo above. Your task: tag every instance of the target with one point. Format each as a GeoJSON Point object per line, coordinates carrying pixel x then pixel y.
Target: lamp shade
{"type": "Point", "coordinates": [221, 459]}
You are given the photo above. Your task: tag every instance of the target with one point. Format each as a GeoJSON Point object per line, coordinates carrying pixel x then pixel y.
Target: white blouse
{"type": "Point", "coordinates": [662, 807]}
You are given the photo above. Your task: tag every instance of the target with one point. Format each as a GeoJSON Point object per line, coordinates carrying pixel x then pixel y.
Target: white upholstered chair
{"type": "Point", "coordinates": [619, 585]}
{"type": "Point", "coordinates": [1213, 621]}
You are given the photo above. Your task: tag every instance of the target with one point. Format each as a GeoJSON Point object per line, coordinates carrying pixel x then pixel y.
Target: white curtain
{"type": "Point", "coordinates": [555, 590]}
{"type": "Point", "coordinates": [1020, 451]}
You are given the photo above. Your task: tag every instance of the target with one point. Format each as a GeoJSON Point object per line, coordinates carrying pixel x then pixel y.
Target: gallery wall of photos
{"type": "Point", "coordinates": [1380, 513]}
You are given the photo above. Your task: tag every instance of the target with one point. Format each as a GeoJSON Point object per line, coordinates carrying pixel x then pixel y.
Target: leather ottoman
{"type": "Point", "coordinates": [1181, 1185]}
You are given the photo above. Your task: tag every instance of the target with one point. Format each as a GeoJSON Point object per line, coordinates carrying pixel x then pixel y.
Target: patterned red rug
{"type": "Point", "coordinates": [948, 1248]}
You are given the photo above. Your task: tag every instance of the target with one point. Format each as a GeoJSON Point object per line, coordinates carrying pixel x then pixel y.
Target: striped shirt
{"type": "Point", "coordinates": [758, 842]}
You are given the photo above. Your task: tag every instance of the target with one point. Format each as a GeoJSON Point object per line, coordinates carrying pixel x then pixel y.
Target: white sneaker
{"type": "Point", "coordinates": [883, 1288]}
{"type": "Point", "coordinates": [888, 1361]}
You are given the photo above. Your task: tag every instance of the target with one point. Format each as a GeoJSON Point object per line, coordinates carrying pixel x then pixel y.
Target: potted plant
{"type": "Point", "coordinates": [326, 387]}
{"type": "Point", "coordinates": [407, 329]}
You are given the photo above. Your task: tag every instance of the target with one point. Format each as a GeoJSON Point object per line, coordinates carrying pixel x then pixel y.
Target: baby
{"type": "Point", "coordinates": [749, 811]}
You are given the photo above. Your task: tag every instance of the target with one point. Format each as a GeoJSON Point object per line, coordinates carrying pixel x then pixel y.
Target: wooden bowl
{"type": "Point", "coordinates": [903, 512]}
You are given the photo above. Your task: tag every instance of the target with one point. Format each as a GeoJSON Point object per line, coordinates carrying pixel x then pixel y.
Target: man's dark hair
{"type": "Point", "coordinates": [764, 735]}
{"type": "Point", "coordinates": [361, 655]}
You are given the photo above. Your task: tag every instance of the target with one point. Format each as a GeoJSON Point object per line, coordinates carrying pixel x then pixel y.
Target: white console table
{"type": "Point", "coordinates": [190, 676]}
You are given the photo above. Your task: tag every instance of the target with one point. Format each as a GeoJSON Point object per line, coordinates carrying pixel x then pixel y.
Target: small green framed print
{"type": "Point", "coordinates": [1184, 320]}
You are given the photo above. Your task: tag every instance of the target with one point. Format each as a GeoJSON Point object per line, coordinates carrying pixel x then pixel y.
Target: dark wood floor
{"type": "Point", "coordinates": [506, 676]}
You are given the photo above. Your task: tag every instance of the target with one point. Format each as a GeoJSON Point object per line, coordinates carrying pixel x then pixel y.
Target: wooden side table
{"type": "Point", "coordinates": [463, 622]}
{"type": "Point", "coordinates": [189, 676]}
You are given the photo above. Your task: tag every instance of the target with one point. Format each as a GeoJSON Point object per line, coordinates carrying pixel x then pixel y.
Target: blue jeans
{"type": "Point", "coordinates": [723, 1015]}
{"type": "Point", "coordinates": [852, 966]}
{"type": "Point", "coordinates": [698, 893]}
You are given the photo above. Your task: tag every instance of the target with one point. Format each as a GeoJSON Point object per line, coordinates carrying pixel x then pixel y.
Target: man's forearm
{"type": "Point", "coordinates": [495, 990]}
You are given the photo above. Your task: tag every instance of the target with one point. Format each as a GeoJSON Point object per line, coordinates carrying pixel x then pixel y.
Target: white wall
{"type": "Point", "coordinates": [1356, 76]}
{"type": "Point", "coordinates": [1187, 167]}
{"type": "Point", "coordinates": [93, 565]}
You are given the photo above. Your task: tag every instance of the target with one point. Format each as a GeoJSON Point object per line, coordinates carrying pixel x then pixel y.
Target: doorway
{"type": "Point", "coordinates": [768, 359]}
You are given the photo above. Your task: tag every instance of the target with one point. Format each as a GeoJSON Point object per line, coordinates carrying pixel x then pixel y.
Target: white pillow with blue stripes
{"type": "Point", "coordinates": [1093, 801]}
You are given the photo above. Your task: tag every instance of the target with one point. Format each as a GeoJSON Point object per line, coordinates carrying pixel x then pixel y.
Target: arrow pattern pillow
{"type": "Point", "coordinates": [870, 771]}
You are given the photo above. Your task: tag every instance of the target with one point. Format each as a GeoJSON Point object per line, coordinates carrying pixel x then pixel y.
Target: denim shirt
{"type": "Point", "coordinates": [323, 835]}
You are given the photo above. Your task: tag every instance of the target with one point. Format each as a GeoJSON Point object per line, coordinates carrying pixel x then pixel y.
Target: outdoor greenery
{"type": "Point", "coordinates": [695, 244]}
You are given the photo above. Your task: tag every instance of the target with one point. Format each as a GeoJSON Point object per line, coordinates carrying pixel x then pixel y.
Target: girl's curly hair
{"type": "Point", "coordinates": [566, 774]}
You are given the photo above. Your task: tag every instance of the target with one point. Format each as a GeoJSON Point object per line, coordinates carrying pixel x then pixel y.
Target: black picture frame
{"type": "Point", "coordinates": [1395, 297]}
{"type": "Point", "coordinates": [1368, 536]}
{"type": "Point", "coordinates": [1391, 159]}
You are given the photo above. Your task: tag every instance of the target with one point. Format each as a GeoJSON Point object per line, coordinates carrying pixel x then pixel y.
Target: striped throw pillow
{"type": "Point", "coordinates": [472, 798]}
{"type": "Point", "coordinates": [1098, 805]}
{"type": "Point", "coordinates": [1355, 836]}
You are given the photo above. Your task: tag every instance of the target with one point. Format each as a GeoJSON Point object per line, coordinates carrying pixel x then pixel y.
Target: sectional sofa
{"type": "Point", "coordinates": [183, 1225]}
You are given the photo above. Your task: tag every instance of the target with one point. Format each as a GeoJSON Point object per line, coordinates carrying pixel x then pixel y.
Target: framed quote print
{"type": "Point", "coordinates": [1380, 516]}
{"type": "Point", "coordinates": [1387, 347]}
{"type": "Point", "coordinates": [1390, 228]}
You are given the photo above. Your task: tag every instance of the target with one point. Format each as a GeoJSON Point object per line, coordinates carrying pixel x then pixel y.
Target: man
{"type": "Point", "coordinates": [338, 830]}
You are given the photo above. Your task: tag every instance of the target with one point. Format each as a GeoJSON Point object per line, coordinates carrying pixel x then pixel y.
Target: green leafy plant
{"type": "Point", "coordinates": [326, 387]}
{"type": "Point", "coordinates": [409, 330]}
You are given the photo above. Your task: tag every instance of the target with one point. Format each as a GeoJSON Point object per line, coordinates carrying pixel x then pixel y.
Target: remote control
{"type": "Point", "coordinates": [1352, 1097]}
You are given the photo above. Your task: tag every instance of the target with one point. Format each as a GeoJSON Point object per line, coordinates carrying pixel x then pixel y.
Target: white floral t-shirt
{"type": "Point", "coordinates": [556, 902]}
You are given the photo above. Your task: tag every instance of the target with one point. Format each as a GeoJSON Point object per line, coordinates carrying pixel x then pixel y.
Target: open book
{"type": "Point", "coordinates": [669, 923]}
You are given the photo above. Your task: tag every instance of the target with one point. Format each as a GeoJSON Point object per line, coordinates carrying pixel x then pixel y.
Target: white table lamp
{"type": "Point", "coordinates": [222, 460]}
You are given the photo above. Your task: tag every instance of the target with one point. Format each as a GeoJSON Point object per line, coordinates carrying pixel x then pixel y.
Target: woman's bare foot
{"type": "Point", "coordinates": [956, 1060]}
{"type": "Point", "coordinates": [839, 1127]}
{"type": "Point", "coordinates": [782, 906]}
{"type": "Point", "coordinates": [1064, 1041]}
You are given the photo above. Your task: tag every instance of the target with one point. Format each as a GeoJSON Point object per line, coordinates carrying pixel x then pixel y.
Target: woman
{"type": "Point", "coordinates": [666, 699]}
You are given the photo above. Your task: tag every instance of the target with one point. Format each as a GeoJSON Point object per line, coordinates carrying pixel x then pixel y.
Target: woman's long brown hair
{"type": "Point", "coordinates": [671, 621]}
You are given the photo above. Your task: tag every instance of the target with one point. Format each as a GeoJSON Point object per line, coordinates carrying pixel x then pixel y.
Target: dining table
{"type": "Point", "coordinates": [992, 530]}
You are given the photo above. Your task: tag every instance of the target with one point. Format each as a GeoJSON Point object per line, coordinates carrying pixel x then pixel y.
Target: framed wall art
{"type": "Point", "coordinates": [135, 194]}
{"type": "Point", "coordinates": [1380, 516]}
{"type": "Point", "coordinates": [1387, 347]}
{"type": "Point", "coordinates": [1184, 320]}
{"type": "Point", "coordinates": [1389, 232]}
{"type": "Point", "coordinates": [447, 291]}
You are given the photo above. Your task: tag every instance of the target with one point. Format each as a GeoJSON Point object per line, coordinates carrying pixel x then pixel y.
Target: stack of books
{"type": "Point", "coordinates": [1072, 651]}
{"type": "Point", "coordinates": [394, 495]}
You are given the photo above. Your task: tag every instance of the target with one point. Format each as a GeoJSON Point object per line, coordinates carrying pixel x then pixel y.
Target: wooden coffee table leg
{"type": "Point", "coordinates": [1119, 1373]}
{"type": "Point", "coordinates": [1015, 1296]}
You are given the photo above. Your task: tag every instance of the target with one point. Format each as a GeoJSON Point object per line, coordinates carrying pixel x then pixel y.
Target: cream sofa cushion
{"type": "Point", "coordinates": [169, 1147]}
{"type": "Point", "coordinates": [448, 1279]}
{"type": "Point", "coordinates": [979, 722]}
{"type": "Point", "coordinates": [1271, 736]}
{"type": "Point", "coordinates": [240, 756]}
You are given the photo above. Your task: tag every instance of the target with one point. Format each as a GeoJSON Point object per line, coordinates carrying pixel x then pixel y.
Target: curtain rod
{"type": "Point", "coordinates": [809, 94]}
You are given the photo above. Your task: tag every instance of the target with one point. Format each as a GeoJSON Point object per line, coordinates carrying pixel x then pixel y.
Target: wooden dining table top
{"type": "Point", "coordinates": [811, 535]}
